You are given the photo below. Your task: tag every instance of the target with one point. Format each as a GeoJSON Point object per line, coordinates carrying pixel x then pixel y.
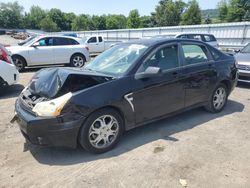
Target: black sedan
{"type": "Point", "coordinates": [129, 85]}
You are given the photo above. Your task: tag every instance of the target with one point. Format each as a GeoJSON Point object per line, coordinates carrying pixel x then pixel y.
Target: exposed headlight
{"type": "Point", "coordinates": [53, 107]}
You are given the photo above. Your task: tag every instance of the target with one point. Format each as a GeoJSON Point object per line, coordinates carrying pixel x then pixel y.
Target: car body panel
{"type": "Point", "coordinates": [243, 61]}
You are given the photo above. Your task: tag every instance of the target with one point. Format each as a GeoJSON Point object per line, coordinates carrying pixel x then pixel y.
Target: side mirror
{"type": "Point", "coordinates": [148, 73]}
{"type": "Point", "coordinates": [236, 50]}
{"type": "Point", "coordinates": [36, 44]}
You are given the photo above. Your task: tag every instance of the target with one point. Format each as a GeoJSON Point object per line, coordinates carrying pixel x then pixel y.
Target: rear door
{"type": "Point", "coordinates": [163, 94]}
{"type": "Point", "coordinates": [63, 49]}
{"type": "Point", "coordinates": [43, 54]}
{"type": "Point", "coordinates": [199, 72]}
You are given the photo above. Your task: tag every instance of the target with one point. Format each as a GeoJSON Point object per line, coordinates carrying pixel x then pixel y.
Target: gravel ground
{"type": "Point", "coordinates": [8, 40]}
{"type": "Point", "coordinates": [206, 150]}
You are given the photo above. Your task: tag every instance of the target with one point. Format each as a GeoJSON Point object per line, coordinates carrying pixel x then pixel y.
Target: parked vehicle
{"type": "Point", "coordinates": [208, 38]}
{"type": "Point", "coordinates": [129, 85]}
{"type": "Point", "coordinates": [8, 73]}
{"type": "Point", "coordinates": [96, 44]}
{"type": "Point", "coordinates": [243, 60]}
{"type": "Point", "coordinates": [50, 50]}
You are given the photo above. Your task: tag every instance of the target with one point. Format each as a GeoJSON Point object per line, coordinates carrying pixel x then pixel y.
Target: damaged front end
{"type": "Point", "coordinates": [50, 89]}
{"type": "Point", "coordinates": [45, 111]}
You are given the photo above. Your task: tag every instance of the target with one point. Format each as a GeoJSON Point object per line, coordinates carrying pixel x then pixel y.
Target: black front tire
{"type": "Point", "coordinates": [84, 139]}
{"type": "Point", "coordinates": [77, 60]}
{"type": "Point", "coordinates": [19, 62]}
{"type": "Point", "coordinates": [211, 107]}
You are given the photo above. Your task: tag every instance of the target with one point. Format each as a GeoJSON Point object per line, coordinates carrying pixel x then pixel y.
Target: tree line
{"type": "Point", "coordinates": [166, 13]}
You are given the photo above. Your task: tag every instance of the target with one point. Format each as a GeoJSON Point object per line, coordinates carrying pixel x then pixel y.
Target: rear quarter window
{"type": "Point", "coordinates": [209, 38]}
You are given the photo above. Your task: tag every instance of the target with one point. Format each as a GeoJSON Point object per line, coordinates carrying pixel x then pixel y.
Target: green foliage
{"type": "Point", "coordinates": [48, 25]}
{"type": "Point", "coordinates": [134, 19]}
{"type": "Point", "coordinates": [168, 12]}
{"type": "Point", "coordinates": [80, 23]}
{"type": "Point", "coordinates": [192, 14]}
{"type": "Point", "coordinates": [11, 15]}
{"type": "Point", "coordinates": [33, 18]}
{"type": "Point", "coordinates": [235, 13]}
{"type": "Point", "coordinates": [223, 10]}
{"type": "Point", "coordinates": [116, 22]}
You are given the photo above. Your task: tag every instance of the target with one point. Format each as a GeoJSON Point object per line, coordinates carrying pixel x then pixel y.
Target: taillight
{"type": "Point", "coordinates": [4, 56]}
{"type": "Point", "coordinates": [87, 48]}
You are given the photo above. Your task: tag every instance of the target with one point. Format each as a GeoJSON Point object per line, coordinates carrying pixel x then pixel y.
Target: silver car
{"type": "Point", "coordinates": [243, 59]}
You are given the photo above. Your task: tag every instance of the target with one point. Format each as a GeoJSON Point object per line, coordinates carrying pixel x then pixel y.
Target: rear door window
{"type": "Point", "coordinates": [61, 41]}
{"type": "Point", "coordinates": [194, 54]}
{"type": "Point", "coordinates": [195, 37]}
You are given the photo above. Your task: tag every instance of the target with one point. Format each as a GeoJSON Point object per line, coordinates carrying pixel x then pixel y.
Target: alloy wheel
{"type": "Point", "coordinates": [219, 98]}
{"type": "Point", "coordinates": [103, 131]}
{"type": "Point", "coordinates": [78, 61]}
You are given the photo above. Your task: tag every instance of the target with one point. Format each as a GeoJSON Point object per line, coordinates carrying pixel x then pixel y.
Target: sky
{"type": "Point", "coordinates": [99, 7]}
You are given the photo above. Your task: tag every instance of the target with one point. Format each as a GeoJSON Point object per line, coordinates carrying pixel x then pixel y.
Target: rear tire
{"type": "Point", "coordinates": [19, 62]}
{"type": "Point", "coordinates": [101, 131]}
{"type": "Point", "coordinates": [77, 60]}
{"type": "Point", "coordinates": [218, 100]}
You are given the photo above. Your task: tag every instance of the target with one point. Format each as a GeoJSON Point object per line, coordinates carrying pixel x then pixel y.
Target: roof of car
{"type": "Point", "coordinates": [158, 41]}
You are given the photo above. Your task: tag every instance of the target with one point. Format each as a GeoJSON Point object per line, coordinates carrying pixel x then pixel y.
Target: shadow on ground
{"type": "Point", "coordinates": [11, 91]}
{"type": "Point", "coordinates": [135, 138]}
{"type": "Point", "coordinates": [243, 85]}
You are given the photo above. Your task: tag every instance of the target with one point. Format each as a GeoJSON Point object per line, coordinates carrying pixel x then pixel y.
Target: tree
{"type": "Point", "coordinates": [99, 22]}
{"type": "Point", "coordinates": [146, 21]}
{"type": "Point", "coordinates": [223, 10]}
{"type": "Point", "coordinates": [168, 12]}
{"type": "Point", "coordinates": [33, 18]}
{"type": "Point", "coordinates": [68, 18]}
{"type": "Point", "coordinates": [246, 5]}
{"type": "Point", "coordinates": [116, 22]}
{"type": "Point", "coordinates": [133, 19]}
{"type": "Point", "coordinates": [80, 23]}
{"type": "Point", "coordinates": [11, 15]}
{"type": "Point", "coordinates": [192, 14]}
{"type": "Point", "coordinates": [235, 13]}
{"type": "Point", "coordinates": [48, 25]}
{"type": "Point", "coordinates": [57, 16]}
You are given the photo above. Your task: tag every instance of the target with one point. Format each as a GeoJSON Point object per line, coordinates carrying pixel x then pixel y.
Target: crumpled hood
{"type": "Point", "coordinates": [243, 58]}
{"type": "Point", "coordinates": [53, 82]}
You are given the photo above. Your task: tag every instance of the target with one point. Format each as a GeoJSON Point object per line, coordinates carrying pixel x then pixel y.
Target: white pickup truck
{"type": "Point", "coordinates": [96, 44]}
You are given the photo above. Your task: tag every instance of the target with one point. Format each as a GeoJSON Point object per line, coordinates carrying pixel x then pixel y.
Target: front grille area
{"type": "Point", "coordinates": [244, 67]}
{"type": "Point", "coordinates": [244, 78]}
{"type": "Point", "coordinates": [29, 100]}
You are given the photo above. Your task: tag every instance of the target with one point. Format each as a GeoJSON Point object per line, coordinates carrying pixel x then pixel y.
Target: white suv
{"type": "Point", "coordinates": [8, 72]}
{"type": "Point", "coordinates": [50, 50]}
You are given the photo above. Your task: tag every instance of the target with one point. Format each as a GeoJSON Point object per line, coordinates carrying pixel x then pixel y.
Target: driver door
{"type": "Point", "coordinates": [164, 93]}
{"type": "Point", "coordinates": [42, 53]}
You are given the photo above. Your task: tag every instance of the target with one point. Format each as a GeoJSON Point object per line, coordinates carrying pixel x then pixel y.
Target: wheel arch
{"type": "Point", "coordinates": [18, 55]}
{"type": "Point", "coordinates": [78, 53]}
{"type": "Point", "coordinates": [227, 83]}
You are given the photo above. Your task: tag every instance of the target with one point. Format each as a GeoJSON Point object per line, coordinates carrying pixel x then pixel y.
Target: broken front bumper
{"type": "Point", "coordinates": [59, 131]}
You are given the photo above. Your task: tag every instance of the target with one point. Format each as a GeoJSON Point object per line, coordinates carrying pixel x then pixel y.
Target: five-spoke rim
{"type": "Point", "coordinates": [103, 131]}
{"type": "Point", "coordinates": [78, 61]}
{"type": "Point", "coordinates": [219, 98]}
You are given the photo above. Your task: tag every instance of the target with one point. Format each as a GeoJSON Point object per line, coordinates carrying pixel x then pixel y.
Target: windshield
{"type": "Point", "coordinates": [246, 49]}
{"type": "Point", "coordinates": [30, 41]}
{"type": "Point", "coordinates": [117, 60]}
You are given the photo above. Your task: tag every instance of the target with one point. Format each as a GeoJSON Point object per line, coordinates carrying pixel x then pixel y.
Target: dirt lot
{"type": "Point", "coordinates": [207, 150]}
